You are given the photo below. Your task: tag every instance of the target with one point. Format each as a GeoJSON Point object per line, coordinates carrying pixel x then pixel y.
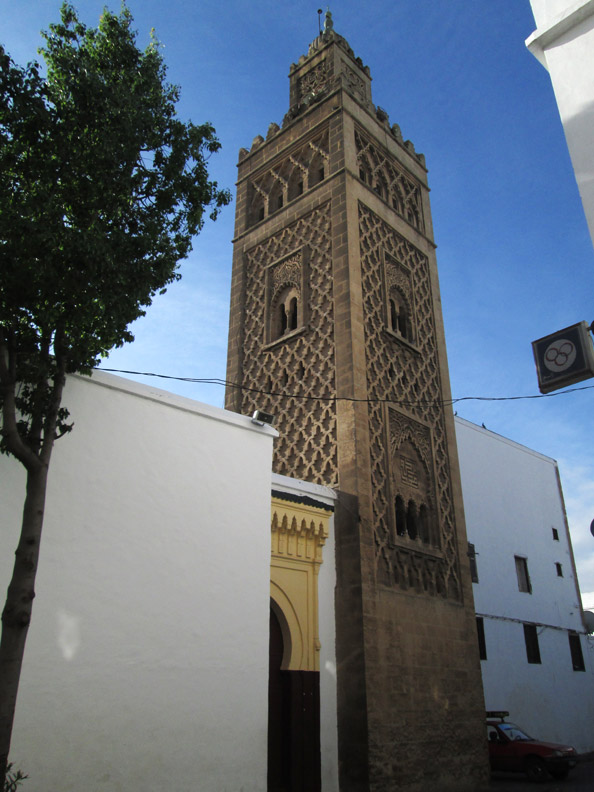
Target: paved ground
{"type": "Point", "coordinates": [580, 778]}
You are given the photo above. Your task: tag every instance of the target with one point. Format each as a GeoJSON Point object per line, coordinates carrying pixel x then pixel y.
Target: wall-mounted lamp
{"type": "Point", "coordinates": [260, 418]}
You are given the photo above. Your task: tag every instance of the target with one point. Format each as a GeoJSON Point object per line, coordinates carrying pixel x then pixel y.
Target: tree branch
{"type": "Point", "coordinates": [10, 431]}
{"type": "Point", "coordinates": [59, 380]}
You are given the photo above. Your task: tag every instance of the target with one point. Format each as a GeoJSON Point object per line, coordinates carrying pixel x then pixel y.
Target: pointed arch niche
{"type": "Point", "coordinates": [298, 533]}
{"type": "Point", "coordinates": [286, 296]}
{"type": "Point", "coordinates": [400, 320]}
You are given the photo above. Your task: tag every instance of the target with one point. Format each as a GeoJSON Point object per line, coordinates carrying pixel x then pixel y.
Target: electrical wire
{"type": "Point", "coordinates": [276, 394]}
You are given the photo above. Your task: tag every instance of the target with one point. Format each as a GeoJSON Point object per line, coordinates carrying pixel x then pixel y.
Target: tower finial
{"type": "Point", "coordinates": [328, 23]}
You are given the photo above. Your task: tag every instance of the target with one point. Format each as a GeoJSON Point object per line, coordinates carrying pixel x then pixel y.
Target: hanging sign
{"type": "Point", "coordinates": [564, 358]}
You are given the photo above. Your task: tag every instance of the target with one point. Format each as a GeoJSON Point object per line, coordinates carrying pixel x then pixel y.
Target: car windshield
{"type": "Point", "coordinates": [513, 732]}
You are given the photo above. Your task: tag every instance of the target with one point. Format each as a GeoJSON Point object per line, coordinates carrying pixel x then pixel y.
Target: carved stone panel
{"type": "Point", "coordinates": [408, 379]}
{"type": "Point", "coordinates": [400, 300]}
{"type": "Point", "coordinates": [286, 296]}
{"type": "Point", "coordinates": [415, 511]}
{"type": "Point", "coordinates": [389, 181]}
{"type": "Point", "coordinates": [293, 378]}
{"type": "Point", "coordinates": [353, 82]}
{"type": "Point", "coordinates": [288, 178]}
{"type": "Point", "coordinates": [315, 80]}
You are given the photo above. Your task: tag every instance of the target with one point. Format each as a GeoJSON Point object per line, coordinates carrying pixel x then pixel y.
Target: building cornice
{"type": "Point", "coordinates": [543, 37]}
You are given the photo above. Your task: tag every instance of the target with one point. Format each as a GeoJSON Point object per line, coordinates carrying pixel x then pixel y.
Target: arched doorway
{"type": "Point", "coordinates": [278, 712]}
{"type": "Point", "coordinates": [293, 721]}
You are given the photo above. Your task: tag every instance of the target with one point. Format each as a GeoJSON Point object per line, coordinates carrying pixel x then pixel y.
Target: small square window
{"type": "Point", "coordinates": [575, 647]}
{"type": "Point", "coordinates": [555, 534]}
{"type": "Point", "coordinates": [559, 569]}
{"type": "Point", "coordinates": [523, 576]}
{"type": "Point", "coordinates": [480, 629]}
{"type": "Point", "coordinates": [531, 639]}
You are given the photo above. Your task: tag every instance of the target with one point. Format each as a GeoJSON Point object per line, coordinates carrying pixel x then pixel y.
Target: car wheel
{"type": "Point", "coordinates": [559, 772]}
{"type": "Point", "coordinates": [536, 770]}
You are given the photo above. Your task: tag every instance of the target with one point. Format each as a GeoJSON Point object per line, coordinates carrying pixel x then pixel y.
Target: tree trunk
{"type": "Point", "coordinates": [16, 615]}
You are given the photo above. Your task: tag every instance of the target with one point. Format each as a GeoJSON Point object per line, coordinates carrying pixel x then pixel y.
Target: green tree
{"type": "Point", "coordinates": [102, 188]}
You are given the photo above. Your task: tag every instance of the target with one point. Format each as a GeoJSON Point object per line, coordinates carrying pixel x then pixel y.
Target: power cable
{"type": "Point", "coordinates": [276, 394]}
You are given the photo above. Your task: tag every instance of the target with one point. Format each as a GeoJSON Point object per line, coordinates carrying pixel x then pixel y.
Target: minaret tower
{"type": "Point", "coordinates": [336, 329]}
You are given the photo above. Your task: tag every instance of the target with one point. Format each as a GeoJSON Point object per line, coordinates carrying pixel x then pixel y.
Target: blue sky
{"type": "Point", "coordinates": [514, 255]}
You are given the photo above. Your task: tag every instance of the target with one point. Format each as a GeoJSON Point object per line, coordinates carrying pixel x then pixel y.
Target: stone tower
{"type": "Point", "coordinates": [336, 329]}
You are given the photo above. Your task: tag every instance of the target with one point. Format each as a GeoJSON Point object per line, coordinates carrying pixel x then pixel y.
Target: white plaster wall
{"type": "Point", "coordinates": [545, 11]}
{"type": "Point", "coordinates": [550, 700]}
{"type": "Point", "coordinates": [512, 503]}
{"type": "Point", "coordinates": [327, 631]}
{"type": "Point", "coordinates": [564, 44]}
{"type": "Point", "coordinates": [512, 500]}
{"type": "Point", "coordinates": [147, 659]}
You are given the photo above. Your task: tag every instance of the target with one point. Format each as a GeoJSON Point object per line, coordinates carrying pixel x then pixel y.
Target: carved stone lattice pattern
{"type": "Point", "coordinates": [353, 82]}
{"type": "Point", "coordinates": [287, 273]}
{"type": "Point", "coordinates": [288, 178]}
{"type": "Point", "coordinates": [402, 428]}
{"type": "Point", "coordinates": [302, 364]}
{"type": "Point", "coordinates": [315, 80]}
{"type": "Point", "coordinates": [398, 277]}
{"type": "Point", "coordinates": [390, 183]}
{"type": "Point", "coordinates": [411, 379]}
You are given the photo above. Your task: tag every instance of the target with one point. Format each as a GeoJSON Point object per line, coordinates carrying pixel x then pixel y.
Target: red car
{"type": "Point", "coordinates": [512, 750]}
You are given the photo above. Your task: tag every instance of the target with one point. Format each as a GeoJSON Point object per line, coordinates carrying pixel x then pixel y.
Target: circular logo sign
{"type": "Point", "coordinates": [560, 355]}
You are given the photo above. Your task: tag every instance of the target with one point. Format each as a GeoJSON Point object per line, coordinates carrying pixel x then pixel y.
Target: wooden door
{"type": "Point", "coordinates": [293, 722]}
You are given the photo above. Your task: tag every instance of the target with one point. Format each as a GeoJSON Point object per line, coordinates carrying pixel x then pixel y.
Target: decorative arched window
{"type": "Point", "coordinates": [380, 187]}
{"type": "Point", "coordinates": [399, 296]}
{"type": "Point", "coordinates": [286, 313]}
{"type": "Point", "coordinates": [364, 170]}
{"type": "Point", "coordinates": [292, 314]}
{"type": "Point", "coordinates": [286, 296]}
{"type": "Point", "coordinates": [399, 315]}
{"type": "Point", "coordinates": [398, 199]}
{"type": "Point", "coordinates": [281, 328]}
{"type": "Point", "coordinates": [317, 170]}
{"type": "Point", "coordinates": [424, 528]}
{"type": "Point", "coordinates": [415, 516]}
{"type": "Point", "coordinates": [276, 198]}
{"type": "Point", "coordinates": [257, 209]}
{"type": "Point", "coordinates": [400, 516]}
{"type": "Point", "coordinates": [413, 216]}
{"type": "Point", "coordinates": [393, 315]}
{"type": "Point", "coordinates": [296, 185]}
{"type": "Point", "coordinates": [411, 520]}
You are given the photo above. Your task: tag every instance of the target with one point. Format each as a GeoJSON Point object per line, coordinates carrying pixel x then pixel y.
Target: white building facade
{"type": "Point", "coordinates": [146, 666]}
{"type": "Point", "coordinates": [536, 660]}
{"type": "Point", "coordinates": [564, 43]}
{"type": "Point", "coordinates": [147, 662]}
